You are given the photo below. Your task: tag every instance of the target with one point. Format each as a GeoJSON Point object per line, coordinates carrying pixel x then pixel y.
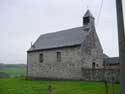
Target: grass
{"type": "Point", "coordinates": [22, 86]}
{"type": "Point", "coordinates": [14, 71]}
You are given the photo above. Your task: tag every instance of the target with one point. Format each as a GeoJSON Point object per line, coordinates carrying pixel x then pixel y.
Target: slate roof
{"type": "Point", "coordinates": [70, 37]}
{"type": "Point", "coordinates": [88, 13]}
{"type": "Point", "coordinates": [113, 60]}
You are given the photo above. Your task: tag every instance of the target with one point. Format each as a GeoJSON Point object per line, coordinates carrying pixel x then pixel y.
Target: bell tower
{"type": "Point", "coordinates": [88, 21]}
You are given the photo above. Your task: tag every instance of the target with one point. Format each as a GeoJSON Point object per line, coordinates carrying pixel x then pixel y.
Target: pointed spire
{"type": "Point", "coordinates": [88, 13]}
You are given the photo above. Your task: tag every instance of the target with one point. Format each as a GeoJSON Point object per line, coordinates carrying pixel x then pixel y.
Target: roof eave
{"type": "Point", "coordinates": [37, 50]}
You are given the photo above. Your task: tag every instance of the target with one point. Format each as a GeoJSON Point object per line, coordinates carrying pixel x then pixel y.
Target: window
{"type": "Point", "coordinates": [41, 57]}
{"type": "Point", "coordinates": [58, 56]}
{"type": "Point", "coordinates": [86, 20]}
{"type": "Point", "coordinates": [93, 65]}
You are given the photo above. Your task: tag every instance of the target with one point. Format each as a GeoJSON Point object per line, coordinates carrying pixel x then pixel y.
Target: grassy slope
{"type": "Point", "coordinates": [21, 86]}
{"type": "Point", "coordinates": [13, 71]}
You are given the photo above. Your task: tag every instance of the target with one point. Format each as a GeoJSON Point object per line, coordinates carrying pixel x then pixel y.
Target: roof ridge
{"type": "Point", "coordinates": [61, 30]}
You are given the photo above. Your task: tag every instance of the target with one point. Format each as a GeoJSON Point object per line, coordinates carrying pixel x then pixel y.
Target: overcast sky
{"type": "Point", "coordinates": [22, 21]}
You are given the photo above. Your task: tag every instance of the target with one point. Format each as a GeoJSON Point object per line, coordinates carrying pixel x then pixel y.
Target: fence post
{"type": "Point", "coordinates": [113, 87]}
{"type": "Point", "coordinates": [106, 86]}
{"type": "Point", "coordinates": [49, 89]}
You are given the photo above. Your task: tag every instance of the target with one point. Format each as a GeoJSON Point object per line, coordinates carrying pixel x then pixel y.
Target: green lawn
{"type": "Point", "coordinates": [21, 86]}
{"type": "Point", "coordinates": [14, 71]}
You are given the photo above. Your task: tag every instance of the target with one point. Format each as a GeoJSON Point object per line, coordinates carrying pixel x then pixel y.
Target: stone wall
{"type": "Point", "coordinates": [100, 74]}
{"type": "Point", "coordinates": [92, 51]}
{"type": "Point", "coordinates": [86, 75]}
{"type": "Point", "coordinates": [68, 68]}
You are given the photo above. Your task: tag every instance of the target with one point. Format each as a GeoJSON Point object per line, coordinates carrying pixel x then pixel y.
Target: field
{"type": "Point", "coordinates": [22, 86]}
{"type": "Point", "coordinates": [14, 71]}
{"type": "Point", "coordinates": [16, 85]}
